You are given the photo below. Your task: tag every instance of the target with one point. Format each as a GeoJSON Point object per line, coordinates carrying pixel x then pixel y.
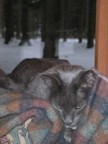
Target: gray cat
{"type": "Point", "coordinates": [66, 87]}
{"type": "Point", "coordinates": [19, 78]}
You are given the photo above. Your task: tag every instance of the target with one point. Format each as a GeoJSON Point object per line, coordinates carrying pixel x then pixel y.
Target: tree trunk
{"type": "Point", "coordinates": [43, 17]}
{"type": "Point", "coordinates": [63, 18]}
{"type": "Point", "coordinates": [1, 15]}
{"type": "Point", "coordinates": [18, 19]}
{"type": "Point", "coordinates": [91, 24]}
{"type": "Point", "coordinates": [24, 24]}
{"type": "Point", "coordinates": [86, 16]}
{"type": "Point", "coordinates": [8, 21]}
{"type": "Point", "coordinates": [2, 18]}
{"type": "Point", "coordinates": [81, 20]}
{"type": "Point", "coordinates": [49, 49]}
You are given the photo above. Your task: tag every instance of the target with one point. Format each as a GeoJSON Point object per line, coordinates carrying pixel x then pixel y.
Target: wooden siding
{"type": "Point", "coordinates": [101, 53]}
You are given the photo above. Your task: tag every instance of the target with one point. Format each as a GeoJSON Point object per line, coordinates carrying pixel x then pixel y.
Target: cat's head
{"type": "Point", "coordinates": [69, 91]}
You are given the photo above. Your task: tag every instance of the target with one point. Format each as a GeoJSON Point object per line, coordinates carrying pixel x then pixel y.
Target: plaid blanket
{"type": "Point", "coordinates": [33, 121]}
{"type": "Point", "coordinates": [28, 121]}
{"type": "Point", "coordinates": [93, 128]}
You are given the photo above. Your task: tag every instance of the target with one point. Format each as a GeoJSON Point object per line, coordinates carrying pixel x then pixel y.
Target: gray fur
{"type": "Point", "coordinates": [66, 87]}
{"type": "Point", "coordinates": [19, 78]}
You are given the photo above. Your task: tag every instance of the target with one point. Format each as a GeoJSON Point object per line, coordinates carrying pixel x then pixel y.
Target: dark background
{"type": "Point", "coordinates": [48, 19]}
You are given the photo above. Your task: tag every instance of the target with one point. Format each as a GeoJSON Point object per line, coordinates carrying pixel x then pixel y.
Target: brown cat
{"type": "Point", "coordinates": [19, 78]}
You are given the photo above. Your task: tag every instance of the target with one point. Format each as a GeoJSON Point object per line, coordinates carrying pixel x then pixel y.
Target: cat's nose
{"type": "Point", "coordinates": [68, 123]}
{"type": "Point", "coordinates": [67, 119]}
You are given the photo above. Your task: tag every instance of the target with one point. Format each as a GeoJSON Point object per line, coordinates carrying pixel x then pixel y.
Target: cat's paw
{"type": "Point", "coordinates": [68, 137]}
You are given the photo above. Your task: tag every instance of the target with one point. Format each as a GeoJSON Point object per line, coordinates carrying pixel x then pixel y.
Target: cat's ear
{"type": "Point", "coordinates": [85, 83]}
{"type": "Point", "coordinates": [87, 79]}
{"type": "Point", "coordinates": [50, 79]}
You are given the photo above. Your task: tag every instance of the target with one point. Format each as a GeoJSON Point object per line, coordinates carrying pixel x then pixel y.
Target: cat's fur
{"type": "Point", "coordinates": [66, 87]}
{"type": "Point", "coordinates": [19, 78]}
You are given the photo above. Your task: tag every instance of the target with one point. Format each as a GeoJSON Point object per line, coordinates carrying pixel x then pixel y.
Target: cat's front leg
{"type": "Point", "coordinates": [68, 135]}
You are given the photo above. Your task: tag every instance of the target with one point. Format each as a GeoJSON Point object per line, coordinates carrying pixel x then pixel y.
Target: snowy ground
{"type": "Point", "coordinates": [12, 54]}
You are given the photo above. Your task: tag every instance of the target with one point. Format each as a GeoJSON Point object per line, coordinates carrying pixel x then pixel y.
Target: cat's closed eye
{"type": "Point", "coordinates": [58, 107]}
{"type": "Point", "coordinates": [80, 106]}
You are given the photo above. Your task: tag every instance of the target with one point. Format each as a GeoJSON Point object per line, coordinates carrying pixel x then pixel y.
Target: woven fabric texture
{"type": "Point", "coordinates": [25, 120]}
{"type": "Point", "coordinates": [93, 128]}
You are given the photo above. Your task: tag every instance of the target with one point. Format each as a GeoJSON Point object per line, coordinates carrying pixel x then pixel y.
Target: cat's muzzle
{"type": "Point", "coordinates": [73, 127]}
